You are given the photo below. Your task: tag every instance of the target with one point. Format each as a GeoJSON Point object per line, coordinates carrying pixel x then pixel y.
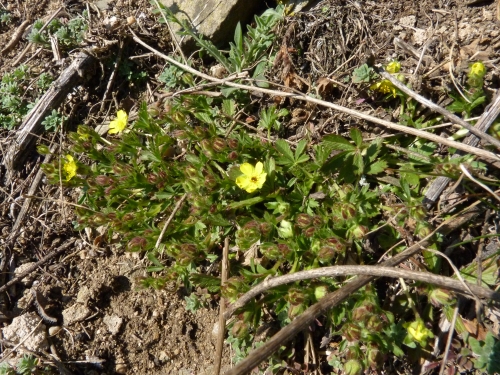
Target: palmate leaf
{"type": "Point", "coordinates": [336, 142]}
{"type": "Point", "coordinates": [205, 281]}
{"type": "Point", "coordinates": [284, 149]}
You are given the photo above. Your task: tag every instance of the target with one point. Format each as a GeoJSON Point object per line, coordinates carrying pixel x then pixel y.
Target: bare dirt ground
{"type": "Point", "coordinates": [111, 325]}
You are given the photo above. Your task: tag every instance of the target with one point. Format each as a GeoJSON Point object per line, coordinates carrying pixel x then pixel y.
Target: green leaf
{"type": "Point", "coordinates": [284, 149]}
{"type": "Point", "coordinates": [377, 167]}
{"type": "Point", "coordinates": [358, 163]}
{"type": "Point", "coordinates": [238, 39]}
{"type": "Point", "coordinates": [205, 281]}
{"type": "Point", "coordinates": [218, 220]}
{"type": "Point", "coordinates": [155, 260]}
{"type": "Point", "coordinates": [336, 142]}
{"type": "Point", "coordinates": [356, 136]}
{"type": "Point", "coordinates": [246, 203]}
{"type": "Point", "coordinates": [301, 146]}
{"type": "Point", "coordinates": [362, 74]}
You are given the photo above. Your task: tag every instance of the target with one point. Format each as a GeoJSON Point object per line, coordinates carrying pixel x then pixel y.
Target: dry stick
{"type": "Point", "coordinates": [451, 331]}
{"type": "Point", "coordinates": [467, 173]}
{"type": "Point", "coordinates": [58, 251]}
{"type": "Point", "coordinates": [54, 15]}
{"type": "Point", "coordinates": [176, 208]}
{"type": "Point", "coordinates": [332, 299]}
{"type": "Point", "coordinates": [471, 290]}
{"type": "Point", "coordinates": [222, 308]}
{"type": "Point", "coordinates": [419, 133]}
{"type": "Point", "coordinates": [16, 36]}
{"type": "Point", "coordinates": [112, 78]}
{"type": "Point", "coordinates": [434, 107]}
{"type": "Point", "coordinates": [489, 115]}
{"type": "Point", "coordinates": [172, 34]}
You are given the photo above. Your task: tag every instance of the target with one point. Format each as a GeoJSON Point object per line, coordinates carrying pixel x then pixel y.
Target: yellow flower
{"type": "Point", "coordinates": [253, 178]}
{"type": "Point", "coordinates": [477, 70]}
{"type": "Point", "coordinates": [385, 86]}
{"type": "Point", "coordinates": [118, 124]}
{"type": "Point", "coordinates": [418, 331]}
{"type": "Point", "coordinates": [393, 67]}
{"type": "Point", "coordinates": [70, 167]}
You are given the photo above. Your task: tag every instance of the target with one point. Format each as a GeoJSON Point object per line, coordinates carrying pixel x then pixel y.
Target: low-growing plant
{"type": "Point", "coordinates": [174, 185]}
{"type": "Point", "coordinates": [26, 365]}
{"type": "Point", "coordinates": [68, 35]}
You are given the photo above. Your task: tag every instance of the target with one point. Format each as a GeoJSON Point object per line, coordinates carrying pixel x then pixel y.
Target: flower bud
{"type": "Point", "coordinates": [285, 229]}
{"type": "Point", "coordinates": [320, 291]}
{"type": "Point", "coordinates": [351, 331]}
{"type": "Point", "coordinates": [43, 150]}
{"type": "Point", "coordinates": [246, 237]}
{"type": "Point", "coordinates": [317, 221]}
{"type": "Point", "coordinates": [295, 296]}
{"type": "Point", "coordinates": [265, 229]}
{"type": "Point", "coordinates": [296, 310]}
{"type": "Point", "coordinates": [309, 232]}
{"type": "Point", "coordinates": [347, 211]}
{"type": "Point", "coordinates": [219, 144]}
{"type": "Point", "coordinates": [284, 249]}
{"type": "Point", "coordinates": [239, 329]}
{"type": "Point", "coordinates": [137, 244]}
{"type": "Point", "coordinates": [210, 181]}
{"type": "Point", "coordinates": [440, 297]}
{"type": "Point", "coordinates": [207, 148]}
{"type": "Point", "coordinates": [232, 143]}
{"type": "Point", "coordinates": [359, 313]}
{"type": "Point", "coordinates": [48, 169]}
{"type": "Point", "coordinates": [233, 155]}
{"type": "Point", "coordinates": [233, 287]}
{"type": "Point", "coordinates": [303, 220]}
{"type": "Point", "coordinates": [374, 324]}
{"type": "Point", "coordinates": [102, 180]}
{"type": "Point", "coordinates": [336, 243]}
{"type": "Point", "coordinates": [353, 367]}
{"type": "Point", "coordinates": [326, 254]}
{"type": "Point", "coordinates": [128, 217]}
{"type": "Point", "coordinates": [180, 134]}
{"type": "Point", "coordinates": [270, 251]}
{"type": "Point", "coordinates": [199, 132]}
{"type": "Point", "coordinates": [359, 231]}
{"type": "Point", "coordinates": [374, 357]}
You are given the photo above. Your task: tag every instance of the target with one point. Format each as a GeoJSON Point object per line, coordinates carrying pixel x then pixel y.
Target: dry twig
{"type": "Point", "coordinates": [222, 308]}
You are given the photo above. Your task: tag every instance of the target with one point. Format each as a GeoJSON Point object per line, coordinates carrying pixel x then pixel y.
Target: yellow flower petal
{"type": "Point", "coordinates": [393, 67]}
{"type": "Point", "coordinates": [253, 178]}
{"type": "Point", "coordinates": [247, 169]}
{"type": "Point", "coordinates": [118, 124]}
{"type": "Point", "coordinates": [70, 167]}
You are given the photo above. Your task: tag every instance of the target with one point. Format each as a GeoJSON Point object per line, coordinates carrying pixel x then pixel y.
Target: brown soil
{"type": "Point", "coordinates": [125, 329]}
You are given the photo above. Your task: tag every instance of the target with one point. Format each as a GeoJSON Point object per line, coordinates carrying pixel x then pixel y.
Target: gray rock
{"type": "Point", "coordinates": [113, 323]}
{"type": "Point", "coordinates": [27, 328]}
{"type": "Point", "coordinates": [75, 313]}
{"type": "Point", "coordinates": [214, 19]}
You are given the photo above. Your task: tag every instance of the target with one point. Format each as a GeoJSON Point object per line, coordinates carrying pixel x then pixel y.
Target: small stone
{"type": "Point", "coordinates": [54, 330]}
{"type": "Point", "coordinates": [121, 368]}
{"type": "Point", "coordinates": [74, 314]}
{"type": "Point", "coordinates": [113, 323]}
{"type": "Point", "coordinates": [27, 326]}
{"type": "Point", "coordinates": [28, 279]}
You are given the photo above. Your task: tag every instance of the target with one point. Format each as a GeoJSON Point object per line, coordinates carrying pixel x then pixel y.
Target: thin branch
{"type": "Point", "coordinates": [170, 218]}
{"type": "Point", "coordinates": [452, 117]}
{"type": "Point", "coordinates": [467, 173]}
{"type": "Point", "coordinates": [33, 267]}
{"type": "Point", "coordinates": [222, 308]}
{"type": "Point", "coordinates": [333, 271]}
{"type": "Point", "coordinates": [419, 133]}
